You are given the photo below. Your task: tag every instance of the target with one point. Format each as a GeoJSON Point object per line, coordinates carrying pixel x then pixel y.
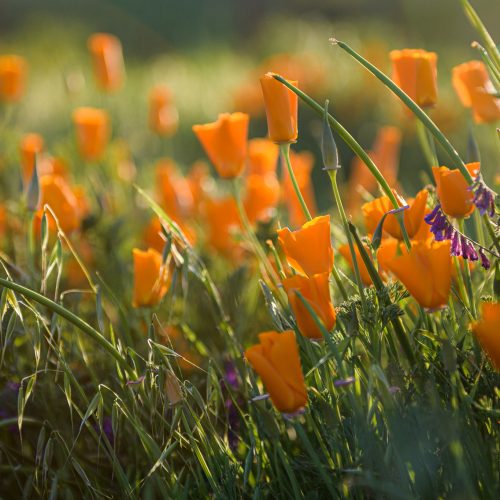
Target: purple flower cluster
{"type": "Point", "coordinates": [442, 229]}
{"type": "Point", "coordinates": [484, 197]}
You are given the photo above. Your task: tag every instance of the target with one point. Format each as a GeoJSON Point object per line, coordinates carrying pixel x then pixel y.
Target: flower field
{"type": "Point", "coordinates": [223, 277]}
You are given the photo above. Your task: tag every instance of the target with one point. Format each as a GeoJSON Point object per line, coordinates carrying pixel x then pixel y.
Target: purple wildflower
{"type": "Point", "coordinates": [485, 262]}
{"type": "Point", "coordinates": [231, 375]}
{"type": "Point", "coordinates": [344, 382]}
{"type": "Point", "coordinates": [440, 225]}
{"type": "Point", "coordinates": [107, 429]}
{"type": "Point", "coordinates": [456, 245]}
{"type": "Point", "coordinates": [484, 197]}
{"type": "Point", "coordinates": [468, 250]}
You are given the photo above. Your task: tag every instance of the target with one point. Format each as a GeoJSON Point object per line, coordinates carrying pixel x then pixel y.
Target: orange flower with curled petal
{"type": "Point", "coordinates": [276, 359]}
{"type": "Point", "coordinates": [107, 56]}
{"type": "Point", "coordinates": [163, 115]}
{"type": "Point", "coordinates": [475, 91]}
{"type": "Point", "coordinates": [281, 109]}
{"type": "Point", "coordinates": [316, 292]}
{"type": "Point", "coordinates": [13, 70]}
{"type": "Point", "coordinates": [309, 249]}
{"type": "Point", "coordinates": [415, 72]}
{"type": "Point", "coordinates": [456, 200]}
{"type": "Point", "coordinates": [262, 194]}
{"type": "Point", "coordinates": [262, 157]}
{"type": "Point", "coordinates": [487, 331]}
{"type": "Point", "coordinates": [31, 146]}
{"type": "Point", "coordinates": [225, 143]}
{"type": "Point", "coordinates": [425, 270]}
{"type": "Point", "coordinates": [150, 278]}
{"type": "Point", "coordinates": [92, 127]}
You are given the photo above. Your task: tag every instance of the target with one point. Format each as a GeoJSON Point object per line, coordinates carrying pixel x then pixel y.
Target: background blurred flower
{"type": "Point", "coordinates": [92, 127]}
{"type": "Point", "coordinates": [163, 115]}
{"type": "Point", "coordinates": [13, 73]}
{"type": "Point", "coordinates": [107, 58]}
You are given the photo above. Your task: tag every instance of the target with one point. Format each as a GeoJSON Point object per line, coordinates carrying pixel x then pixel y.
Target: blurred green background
{"type": "Point", "coordinates": [205, 50]}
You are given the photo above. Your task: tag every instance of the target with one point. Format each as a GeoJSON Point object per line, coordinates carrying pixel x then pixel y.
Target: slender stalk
{"type": "Point", "coordinates": [467, 275]}
{"type": "Point", "coordinates": [427, 146]}
{"type": "Point", "coordinates": [355, 147]}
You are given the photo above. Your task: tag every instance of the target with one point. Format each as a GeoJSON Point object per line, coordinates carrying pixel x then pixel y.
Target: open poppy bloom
{"type": "Point", "coordinates": [276, 359]}
{"type": "Point", "coordinates": [281, 109]}
{"type": "Point", "coordinates": [262, 157]}
{"type": "Point", "coordinates": [92, 132]}
{"type": "Point", "coordinates": [487, 331]}
{"type": "Point", "coordinates": [452, 189]}
{"type": "Point", "coordinates": [163, 115]}
{"type": "Point", "coordinates": [225, 143]}
{"type": "Point", "coordinates": [309, 249]}
{"type": "Point", "coordinates": [107, 56]}
{"type": "Point", "coordinates": [150, 278]}
{"type": "Point", "coordinates": [415, 72]}
{"type": "Point", "coordinates": [262, 194]}
{"type": "Point", "coordinates": [425, 270]}
{"type": "Point", "coordinates": [316, 292]}
{"type": "Point", "coordinates": [31, 146]}
{"type": "Point", "coordinates": [476, 91]}
{"type": "Point", "coordinates": [13, 70]}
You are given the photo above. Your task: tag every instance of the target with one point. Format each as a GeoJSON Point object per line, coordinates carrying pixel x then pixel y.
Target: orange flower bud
{"type": "Point", "coordinates": [13, 70]}
{"type": "Point", "coordinates": [58, 195]}
{"type": "Point", "coordinates": [309, 249]}
{"type": "Point", "coordinates": [31, 146]}
{"type": "Point", "coordinates": [302, 164]}
{"type": "Point", "coordinates": [455, 198]}
{"type": "Point", "coordinates": [150, 278]}
{"type": "Point", "coordinates": [276, 359]}
{"type": "Point", "coordinates": [225, 143]}
{"type": "Point", "coordinates": [262, 157]}
{"type": "Point", "coordinates": [425, 270]}
{"type": "Point", "coordinates": [262, 194]}
{"type": "Point", "coordinates": [475, 91]}
{"type": "Point", "coordinates": [281, 109]}
{"type": "Point", "coordinates": [487, 331]}
{"type": "Point", "coordinates": [363, 271]}
{"type": "Point", "coordinates": [415, 72]}
{"type": "Point", "coordinates": [106, 51]}
{"type": "Point", "coordinates": [163, 115]}
{"type": "Point", "coordinates": [316, 292]}
{"type": "Point", "coordinates": [92, 132]}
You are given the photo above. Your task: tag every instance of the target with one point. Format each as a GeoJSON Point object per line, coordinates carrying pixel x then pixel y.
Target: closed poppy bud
{"type": "Point", "coordinates": [415, 72]}
{"type": "Point", "coordinates": [58, 195]}
{"type": "Point", "coordinates": [487, 331]}
{"type": "Point", "coordinates": [262, 194]}
{"type": "Point", "coordinates": [163, 115]}
{"type": "Point", "coordinates": [363, 271]}
{"type": "Point", "coordinates": [425, 270]}
{"type": "Point", "coordinates": [316, 292]}
{"type": "Point", "coordinates": [452, 189]}
{"type": "Point", "coordinates": [107, 57]}
{"type": "Point", "coordinates": [475, 91]}
{"type": "Point", "coordinates": [262, 157]}
{"type": "Point", "coordinates": [225, 143]}
{"type": "Point", "coordinates": [276, 359]}
{"type": "Point", "coordinates": [281, 109]}
{"type": "Point", "coordinates": [13, 71]}
{"type": "Point", "coordinates": [150, 278]}
{"type": "Point", "coordinates": [31, 146]}
{"type": "Point", "coordinates": [309, 249]}
{"type": "Point", "coordinates": [92, 132]}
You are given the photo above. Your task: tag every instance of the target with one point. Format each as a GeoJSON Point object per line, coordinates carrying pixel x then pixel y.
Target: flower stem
{"type": "Point", "coordinates": [467, 275]}
{"type": "Point", "coordinates": [427, 145]}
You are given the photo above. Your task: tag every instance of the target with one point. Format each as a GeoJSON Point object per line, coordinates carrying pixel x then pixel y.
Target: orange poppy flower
{"type": "Point", "coordinates": [163, 115]}
{"type": "Point", "coordinates": [425, 270]}
{"type": "Point", "coordinates": [262, 194]}
{"type": "Point", "coordinates": [92, 132]}
{"type": "Point", "coordinates": [475, 91]}
{"type": "Point", "coordinates": [153, 234]}
{"type": "Point", "coordinates": [456, 200]}
{"type": "Point", "coordinates": [363, 271]}
{"type": "Point", "coordinates": [302, 164]}
{"type": "Point", "coordinates": [316, 292]}
{"type": "Point", "coordinates": [415, 72]}
{"type": "Point", "coordinates": [487, 331]}
{"type": "Point", "coordinates": [281, 109]}
{"type": "Point", "coordinates": [107, 56]}
{"type": "Point", "coordinates": [13, 70]}
{"type": "Point", "coordinates": [150, 278]}
{"type": "Point", "coordinates": [276, 359]}
{"type": "Point", "coordinates": [225, 143]}
{"type": "Point", "coordinates": [262, 157]}
{"type": "Point", "coordinates": [31, 146]}
{"type": "Point", "coordinates": [57, 193]}
{"type": "Point", "coordinates": [309, 249]}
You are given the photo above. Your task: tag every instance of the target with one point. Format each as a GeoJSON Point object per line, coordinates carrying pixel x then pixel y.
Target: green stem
{"type": "Point", "coordinates": [355, 147]}
{"type": "Point", "coordinates": [72, 318]}
{"type": "Point", "coordinates": [414, 107]}
{"type": "Point", "coordinates": [467, 275]}
{"type": "Point", "coordinates": [427, 146]}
